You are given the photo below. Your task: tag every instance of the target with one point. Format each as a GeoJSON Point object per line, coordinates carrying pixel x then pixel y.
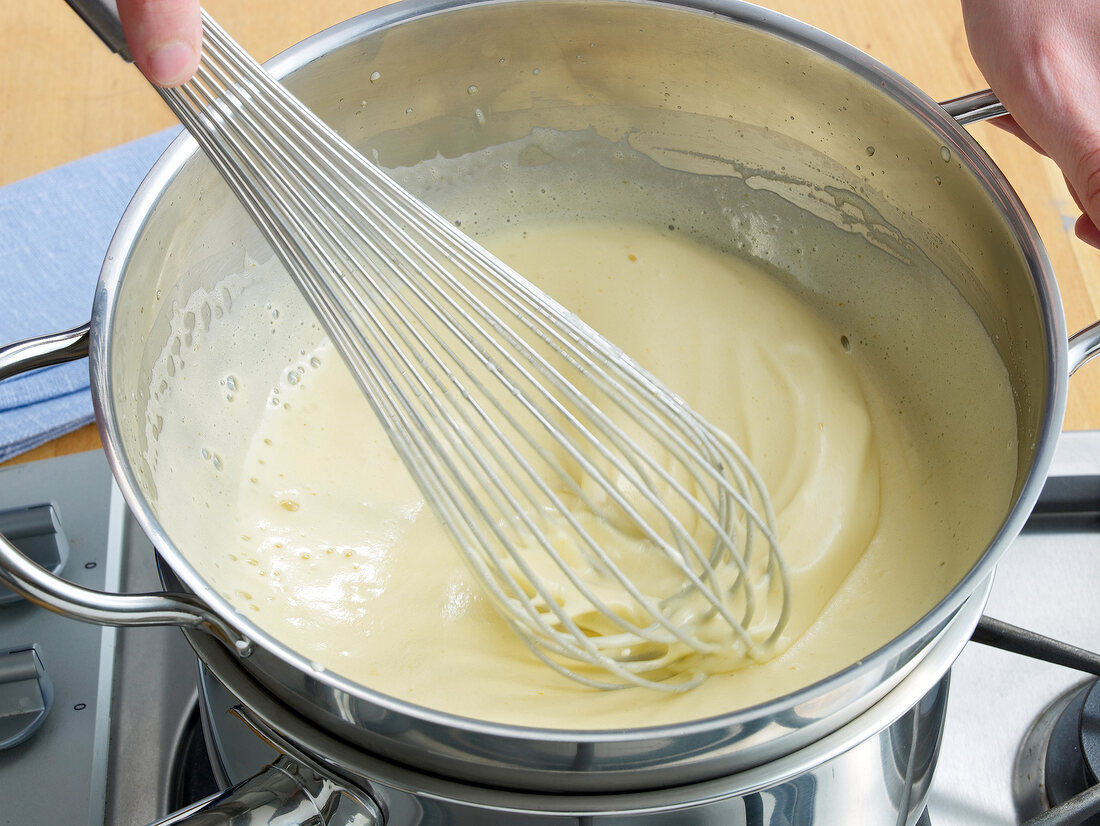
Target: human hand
{"type": "Point", "coordinates": [1042, 59]}
{"type": "Point", "coordinates": [164, 37]}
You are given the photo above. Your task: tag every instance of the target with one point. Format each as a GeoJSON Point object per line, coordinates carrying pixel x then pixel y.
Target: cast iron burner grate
{"type": "Point", "coordinates": [1063, 746]}
{"type": "Point", "coordinates": [1072, 765]}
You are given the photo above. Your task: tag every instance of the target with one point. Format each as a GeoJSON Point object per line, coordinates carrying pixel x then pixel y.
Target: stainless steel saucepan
{"type": "Point", "coordinates": [831, 150]}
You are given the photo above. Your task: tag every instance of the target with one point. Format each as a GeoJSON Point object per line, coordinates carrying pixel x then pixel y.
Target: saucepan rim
{"type": "Point", "coordinates": [905, 646]}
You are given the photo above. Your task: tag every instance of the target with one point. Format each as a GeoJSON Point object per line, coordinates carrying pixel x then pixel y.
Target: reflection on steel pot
{"type": "Point", "coordinates": [826, 142]}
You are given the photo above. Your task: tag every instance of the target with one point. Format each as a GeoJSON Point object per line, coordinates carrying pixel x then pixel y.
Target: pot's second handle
{"type": "Point", "coordinates": [284, 792]}
{"type": "Point", "coordinates": [51, 591]}
{"type": "Point", "coordinates": [1084, 345]}
{"type": "Point", "coordinates": [295, 788]}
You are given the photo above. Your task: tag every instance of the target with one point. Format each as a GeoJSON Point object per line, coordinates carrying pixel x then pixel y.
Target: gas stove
{"type": "Point", "coordinates": [102, 725]}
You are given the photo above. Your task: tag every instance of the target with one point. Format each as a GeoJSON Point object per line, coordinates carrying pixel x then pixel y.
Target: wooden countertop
{"type": "Point", "coordinates": [65, 96]}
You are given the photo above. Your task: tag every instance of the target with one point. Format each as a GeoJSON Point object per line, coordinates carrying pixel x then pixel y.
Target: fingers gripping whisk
{"type": "Point", "coordinates": [626, 540]}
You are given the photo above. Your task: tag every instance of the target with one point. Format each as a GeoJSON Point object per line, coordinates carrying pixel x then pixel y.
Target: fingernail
{"type": "Point", "coordinates": [170, 65]}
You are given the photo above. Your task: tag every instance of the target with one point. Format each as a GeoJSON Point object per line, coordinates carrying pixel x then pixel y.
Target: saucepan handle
{"type": "Point", "coordinates": [292, 789]}
{"type": "Point", "coordinates": [25, 577]}
{"type": "Point", "coordinates": [1083, 346]}
{"type": "Point", "coordinates": [284, 792]}
{"type": "Point", "coordinates": [975, 107]}
{"type": "Point", "coordinates": [984, 105]}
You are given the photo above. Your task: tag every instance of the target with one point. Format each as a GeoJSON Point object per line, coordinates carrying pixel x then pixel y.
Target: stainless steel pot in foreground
{"type": "Point", "coordinates": [824, 139]}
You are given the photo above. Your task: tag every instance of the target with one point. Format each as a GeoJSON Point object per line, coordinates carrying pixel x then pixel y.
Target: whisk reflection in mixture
{"type": "Point", "coordinates": [625, 539]}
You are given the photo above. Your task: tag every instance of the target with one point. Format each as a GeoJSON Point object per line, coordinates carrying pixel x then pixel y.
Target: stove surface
{"type": "Point", "coordinates": [106, 750]}
{"type": "Point", "coordinates": [61, 765]}
{"type": "Point", "coordinates": [110, 748]}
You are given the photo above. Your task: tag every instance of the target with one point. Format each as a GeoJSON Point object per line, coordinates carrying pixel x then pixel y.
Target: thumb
{"type": "Point", "coordinates": [164, 37]}
{"type": "Point", "coordinates": [1087, 231]}
{"type": "Point", "coordinates": [1080, 159]}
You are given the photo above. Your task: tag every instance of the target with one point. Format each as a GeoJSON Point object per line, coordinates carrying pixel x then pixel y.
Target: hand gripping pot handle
{"type": "Point", "coordinates": [984, 105]}
{"type": "Point", "coordinates": [39, 586]}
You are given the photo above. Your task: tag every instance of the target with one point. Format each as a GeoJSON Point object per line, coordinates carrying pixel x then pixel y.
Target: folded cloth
{"type": "Point", "coordinates": [54, 231]}
{"type": "Point", "coordinates": [38, 423]}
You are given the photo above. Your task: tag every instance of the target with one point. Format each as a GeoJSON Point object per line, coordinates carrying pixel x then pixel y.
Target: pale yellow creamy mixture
{"type": "Point", "coordinates": [297, 509]}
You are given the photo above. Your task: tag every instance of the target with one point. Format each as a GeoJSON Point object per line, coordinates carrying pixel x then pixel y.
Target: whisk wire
{"type": "Point", "coordinates": [545, 596]}
{"type": "Point", "coordinates": [531, 527]}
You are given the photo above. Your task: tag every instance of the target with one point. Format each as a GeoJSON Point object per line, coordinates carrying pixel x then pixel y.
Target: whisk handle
{"type": "Point", "coordinates": [101, 16]}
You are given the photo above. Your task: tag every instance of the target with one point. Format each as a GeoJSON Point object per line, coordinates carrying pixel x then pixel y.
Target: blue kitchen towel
{"type": "Point", "coordinates": [54, 231]}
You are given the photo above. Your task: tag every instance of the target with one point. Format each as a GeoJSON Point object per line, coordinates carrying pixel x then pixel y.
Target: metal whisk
{"type": "Point", "coordinates": [615, 530]}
